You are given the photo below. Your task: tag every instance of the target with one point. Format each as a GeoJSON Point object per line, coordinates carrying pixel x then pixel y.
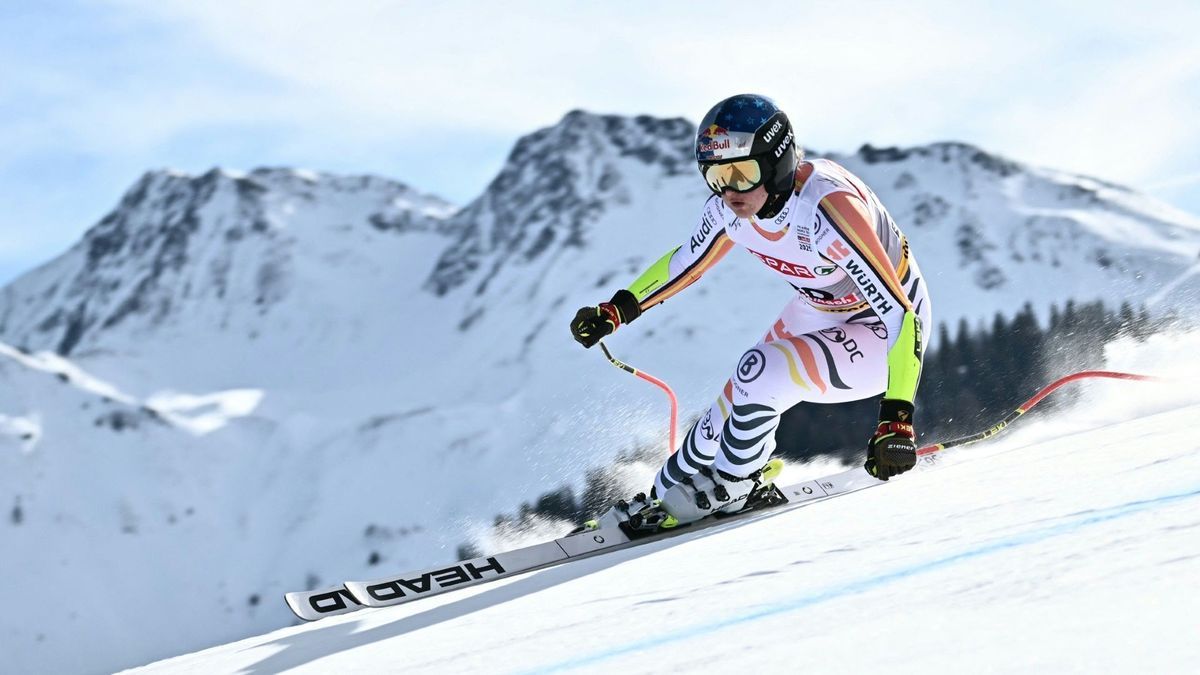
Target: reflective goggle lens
{"type": "Point", "coordinates": [740, 176]}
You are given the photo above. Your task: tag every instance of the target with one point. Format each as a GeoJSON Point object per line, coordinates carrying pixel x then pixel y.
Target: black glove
{"type": "Point", "coordinates": [592, 323]}
{"type": "Point", "coordinates": [892, 450]}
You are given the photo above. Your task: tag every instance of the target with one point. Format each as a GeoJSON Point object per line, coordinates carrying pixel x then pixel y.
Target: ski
{"type": "Point", "coordinates": [410, 586]}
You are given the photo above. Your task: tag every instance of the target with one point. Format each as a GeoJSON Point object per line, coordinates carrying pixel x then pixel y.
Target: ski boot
{"type": "Point", "coordinates": [710, 493]}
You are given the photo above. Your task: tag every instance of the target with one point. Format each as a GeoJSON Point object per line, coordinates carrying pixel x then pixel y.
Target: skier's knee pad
{"type": "Point", "coordinates": [705, 495]}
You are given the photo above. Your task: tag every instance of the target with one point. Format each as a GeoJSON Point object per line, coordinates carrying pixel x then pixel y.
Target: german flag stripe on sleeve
{"type": "Point", "coordinates": [848, 214]}
{"type": "Point", "coordinates": [716, 250]}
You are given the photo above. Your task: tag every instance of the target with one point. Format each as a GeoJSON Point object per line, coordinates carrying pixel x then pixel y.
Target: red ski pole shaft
{"type": "Point", "coordinates": [652, 380]}
{"type": "Point", "coordinates": [1037, 398]}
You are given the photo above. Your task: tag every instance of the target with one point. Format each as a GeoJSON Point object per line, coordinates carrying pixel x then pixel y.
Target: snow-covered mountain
{"type": "Point", "coordinates": [232, 258]}
{"type": "Point", "coordinates": [241, 384]}
{"type": "Point", "coordinates": [1011, 557]}
{"type": "Point", "coordinates": [576, 207]}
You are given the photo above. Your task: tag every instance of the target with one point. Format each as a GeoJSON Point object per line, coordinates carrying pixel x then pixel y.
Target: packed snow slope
{"type": "Point", "coordinates": [241, 384]}
{"type": "Point", "coordinates": [1071, 546]}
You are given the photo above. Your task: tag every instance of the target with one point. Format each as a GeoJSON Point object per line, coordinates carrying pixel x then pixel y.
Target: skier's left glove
{"type": "Point", "coordinates": [893, 448]}
{"type": "Point", "coordinates": [592, 323]}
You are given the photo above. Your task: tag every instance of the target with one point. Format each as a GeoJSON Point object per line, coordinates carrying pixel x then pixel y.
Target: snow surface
{"type": "Point", "coordinates": [1072, 545]}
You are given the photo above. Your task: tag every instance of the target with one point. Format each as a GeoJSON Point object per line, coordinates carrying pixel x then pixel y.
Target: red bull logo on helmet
{"type": "Point", "coordinates": [712, 146]}
{"type": "Point", "coordinates": [716, 142]}
{"type": "Point", "coordinates": [712, 139]}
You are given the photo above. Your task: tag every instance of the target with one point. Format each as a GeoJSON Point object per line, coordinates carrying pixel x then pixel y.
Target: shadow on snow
{"type": "Point", "coordinates": [311, 645]}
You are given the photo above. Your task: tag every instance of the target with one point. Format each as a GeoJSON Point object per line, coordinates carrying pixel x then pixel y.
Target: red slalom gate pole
{"type": "Point", "coordinates": [1037, 398]}
{"type": "Point", "coordinates": [652, 380]}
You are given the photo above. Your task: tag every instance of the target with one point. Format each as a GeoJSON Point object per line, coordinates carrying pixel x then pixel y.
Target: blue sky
{"type": "Point", "coordinates": [95, 92]}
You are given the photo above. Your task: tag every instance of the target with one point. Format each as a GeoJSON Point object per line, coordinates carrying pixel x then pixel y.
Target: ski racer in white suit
{"type": "Point", "coordinates": [854, 329]}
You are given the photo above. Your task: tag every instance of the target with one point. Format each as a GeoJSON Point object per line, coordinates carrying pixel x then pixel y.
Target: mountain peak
{"type": "Point", "coordinates": [176, 240]}
{"type": "Point", "coordinates": [556, 181]}
{"type": "Point", "coordinates": [941, 151]}
{"type": "Point", "coordinates": [650, 139]}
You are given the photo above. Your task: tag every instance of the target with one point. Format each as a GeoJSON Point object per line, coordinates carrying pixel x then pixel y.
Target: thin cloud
{"type": "Point", "coordinates": [1043, 86]}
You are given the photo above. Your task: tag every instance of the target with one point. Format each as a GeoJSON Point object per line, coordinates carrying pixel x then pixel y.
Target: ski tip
{"type": "Point", "coordinates": [313, 605]}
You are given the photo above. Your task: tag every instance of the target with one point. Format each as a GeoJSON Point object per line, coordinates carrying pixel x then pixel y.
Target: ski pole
{"type": "Point", "coordinates": [652, 380]}
{"type": "Point", "coordinates": [1024, 407]}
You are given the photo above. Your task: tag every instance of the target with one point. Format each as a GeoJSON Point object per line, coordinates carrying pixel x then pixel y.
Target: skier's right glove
{"type": "Point", "coordinates": [592, 323]}
{"type": "Point", "coordinates": [893, 448]}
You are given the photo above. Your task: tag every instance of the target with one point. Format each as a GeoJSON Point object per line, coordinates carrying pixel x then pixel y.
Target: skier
{"type": "Point", "coordinates": [853, 330]}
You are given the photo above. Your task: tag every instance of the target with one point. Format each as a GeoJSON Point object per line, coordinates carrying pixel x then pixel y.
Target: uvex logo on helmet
{"type": "Point", "coordinates": [775, 133]}
{"type": "Point", "coordinates": [783, 145]}
{"type": "Point", "coordinates": [773, 130]}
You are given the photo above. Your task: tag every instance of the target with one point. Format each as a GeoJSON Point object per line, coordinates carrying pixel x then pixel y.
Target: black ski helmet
{"type": "Point", "coordinates": [749, 126]}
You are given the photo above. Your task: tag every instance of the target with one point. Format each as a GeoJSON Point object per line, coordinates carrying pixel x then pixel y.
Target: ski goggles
{"type": "Point", "coordinates": [740, 176]}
